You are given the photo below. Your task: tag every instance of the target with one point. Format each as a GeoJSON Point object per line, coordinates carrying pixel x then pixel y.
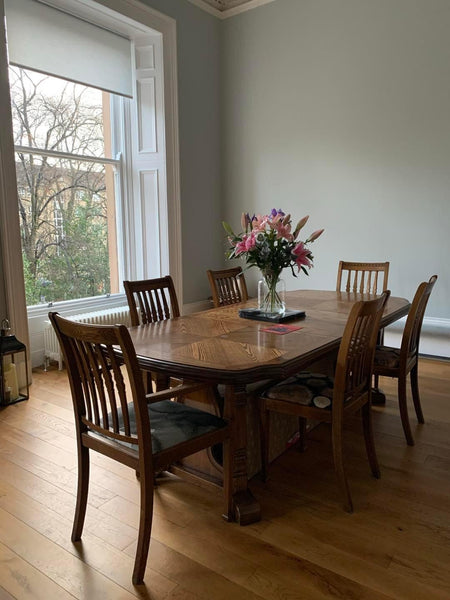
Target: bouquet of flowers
{"type": "Point", "coordinates": [268, 242]}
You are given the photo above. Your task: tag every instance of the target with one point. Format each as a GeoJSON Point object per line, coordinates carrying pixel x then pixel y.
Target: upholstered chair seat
{"type": "Point", "coordinates": [172, 423]}
{"type": "Point", "coordinates": [306, 389]}
{"type": "Point", "coordinates": [385, 356]}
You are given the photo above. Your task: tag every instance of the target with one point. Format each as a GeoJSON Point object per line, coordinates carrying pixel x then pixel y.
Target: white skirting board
{"type": "Point", "coordinates": [434, 338]}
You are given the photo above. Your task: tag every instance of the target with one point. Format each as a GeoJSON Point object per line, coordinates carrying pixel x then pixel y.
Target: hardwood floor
{"type": "Point", "coordinates": [396, 545]}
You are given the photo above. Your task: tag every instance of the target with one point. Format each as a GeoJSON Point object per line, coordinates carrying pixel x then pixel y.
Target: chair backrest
{"type": "Point", "coordinates": [151, 300]}
{"type": "Point", "coordinates": [353, 374]}
{"type": "Point", "coordinates": [414, 320]}
{"type": "Point", "coordinates": [363, 277]}
{"type": "Point", "coordinates": [227, 286]}
{"type": "Point", "coordinates": [101, 395]}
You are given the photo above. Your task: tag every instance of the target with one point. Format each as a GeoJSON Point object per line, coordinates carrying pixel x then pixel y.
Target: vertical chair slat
{"type": "Point", "coordinates": [166, 305]}
{"type": "Point", "coordinates": [106, 406]}
{"type": "Point", "coordinates": [158, 296]}
{"type": "Point", "coordinates": [72, 344]}
{"type": "Point", "coordinates": [97, 384]}
{"type": "Point", "coordinates": [88, 380]}
{"type": "Point", "coordinates": [150, 314]}
{"type": "Point", "coordinates": [153, 302]}
{"type": "Point", "coordinates": [120, 386]}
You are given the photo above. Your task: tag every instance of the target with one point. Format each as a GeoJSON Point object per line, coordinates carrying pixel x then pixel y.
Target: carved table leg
{"type": "Point", "coordinates": [246, 509]}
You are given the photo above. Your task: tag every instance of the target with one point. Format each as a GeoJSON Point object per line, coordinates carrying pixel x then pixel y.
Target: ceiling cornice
{"type": "Point", "coordinates": [222, 9]}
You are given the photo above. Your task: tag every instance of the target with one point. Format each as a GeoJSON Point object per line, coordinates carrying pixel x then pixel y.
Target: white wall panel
{"type": "Point", "coordinates": [149, 192]}
{"type": "Point", "coordinates": [146, 115]}
{"type": "Point", "coordinates": [145, 57]}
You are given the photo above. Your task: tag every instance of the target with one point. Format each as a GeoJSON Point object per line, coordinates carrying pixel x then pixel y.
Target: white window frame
{"type": "Point", "coordinates": [122, 16]}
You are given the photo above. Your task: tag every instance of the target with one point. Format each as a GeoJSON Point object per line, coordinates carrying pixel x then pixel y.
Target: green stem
{"type": "Point", "coordinates": [272, 301]}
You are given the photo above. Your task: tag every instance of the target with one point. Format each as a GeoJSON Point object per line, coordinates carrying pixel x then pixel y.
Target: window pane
{"type": "Point", "coordinates": [55, 114]}
{"type": "Point", "coordinates": [66, 206]}
{"type": "Point", "coordinates": [64, 218]}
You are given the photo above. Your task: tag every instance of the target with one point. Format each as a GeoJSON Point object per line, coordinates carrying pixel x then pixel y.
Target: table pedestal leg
{"type": "Point", "coordinates": [245, 507]}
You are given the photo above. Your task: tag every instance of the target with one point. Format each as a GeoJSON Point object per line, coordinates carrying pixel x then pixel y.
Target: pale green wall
{"type": "Point", "coordinates": [337, 108]}
{"type": "Point", "coordinates": [341, 109]}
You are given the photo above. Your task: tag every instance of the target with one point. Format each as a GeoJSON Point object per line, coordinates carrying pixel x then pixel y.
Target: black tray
{"type": "Point", "coordinates": [256, 315]}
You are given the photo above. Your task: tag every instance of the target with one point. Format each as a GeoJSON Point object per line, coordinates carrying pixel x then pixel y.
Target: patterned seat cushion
{"type": "Point", "coordinates": [387, 357]}
{"type": "Point", "coordinates": [305, 388]}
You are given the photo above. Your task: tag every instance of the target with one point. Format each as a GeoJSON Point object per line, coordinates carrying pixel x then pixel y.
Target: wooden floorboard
{"type": "Point", "coordinates": [395, 546]}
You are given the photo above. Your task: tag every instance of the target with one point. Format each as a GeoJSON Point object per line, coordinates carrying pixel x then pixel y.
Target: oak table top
{"type": "Point", "coordinates": [218, 346]}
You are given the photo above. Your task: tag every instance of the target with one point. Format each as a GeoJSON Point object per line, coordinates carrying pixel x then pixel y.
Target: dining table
{"type": "Point", "coordinates": [219, 347]}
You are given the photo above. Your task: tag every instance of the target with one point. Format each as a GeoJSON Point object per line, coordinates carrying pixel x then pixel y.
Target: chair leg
{"type": "Point", "coordinates": [376, 380]}
{"type": "Point", "coordinates": [145, 527]}
{"type": "Point", "coordinates": [302, 421]}
{"type": "Point", "coordinates": [336, 434]}
{"type": "Point", "coordinates": [264, 426]}
{"type": "Point", "coordinates": [415, 393]}
{"type": "Point", "coordinates": [404, 410]}
{"type": "Point", "coordinates": [366, 414]}
{"type": "Point", "coordinates": [380, 341]}
{"type": "Point", "coordinates": [82, 492]}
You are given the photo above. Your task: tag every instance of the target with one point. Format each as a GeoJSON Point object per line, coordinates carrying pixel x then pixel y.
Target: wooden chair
{"type": "Point", "coordinates": [149, 301]}
{"type": "Point", "coordinates": [227, 286]}
{"type": "Point", "coordinates": [156, 300]}
{"type": "Point", "coordinates": [114, 417]}
{"type": "Point", "coordinates": [363, 277]}
{"type": "Point", "coordinates": [398, 362]}
{"type": "Point", "coordinates": [319, 397]}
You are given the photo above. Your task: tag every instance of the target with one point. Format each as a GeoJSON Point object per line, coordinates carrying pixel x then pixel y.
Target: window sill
{"type": "Point", "coordinates": [74, 307]}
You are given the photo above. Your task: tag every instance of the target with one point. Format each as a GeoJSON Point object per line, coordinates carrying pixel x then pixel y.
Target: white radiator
{"type": "Point", "coordinates": [109, 316]}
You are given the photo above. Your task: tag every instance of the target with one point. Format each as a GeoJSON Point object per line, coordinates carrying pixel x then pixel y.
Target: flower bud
{"type": "Point", "coordinates": [245, 221]}
{"type": "Point", "coordinates": [228, 228]}
{"type": "Point", "coordinates": [300, 225]}
{"type": "Point", "coordinates": [315, 235]}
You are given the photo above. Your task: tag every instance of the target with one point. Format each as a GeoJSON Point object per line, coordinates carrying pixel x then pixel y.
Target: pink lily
{"type": "Point", "coordinates": [247, 243]}
{"type": "Point", "coordinates": [259, 222]}
{"type": "Point", "coordinates": [283, 231]}
{"type": "Point", "coordinates": [302, 255]}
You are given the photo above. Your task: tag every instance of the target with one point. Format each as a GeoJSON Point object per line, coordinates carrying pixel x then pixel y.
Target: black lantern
{"type": "Point", "coordinates": [10, 393]}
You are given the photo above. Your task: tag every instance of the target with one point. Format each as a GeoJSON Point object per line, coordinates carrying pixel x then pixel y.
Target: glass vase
{"type": "Point", "coordinates": [271, 293]}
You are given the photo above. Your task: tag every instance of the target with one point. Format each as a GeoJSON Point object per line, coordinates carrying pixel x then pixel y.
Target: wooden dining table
{"type": "Point", "coordinates": [220, 347]}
